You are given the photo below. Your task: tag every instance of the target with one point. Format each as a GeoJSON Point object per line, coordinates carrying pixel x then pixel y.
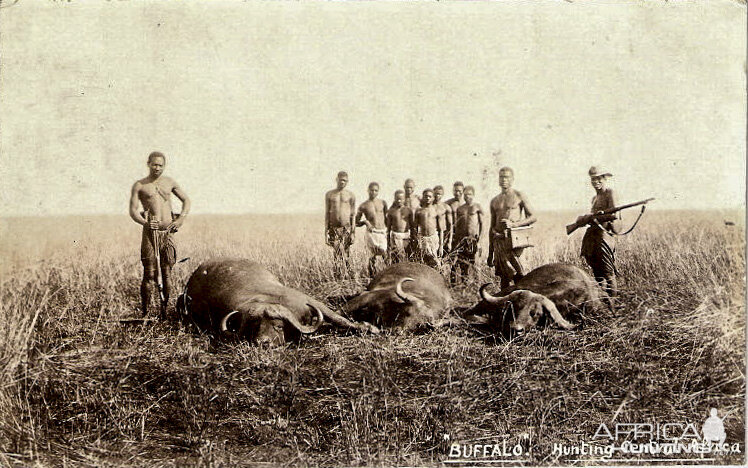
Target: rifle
{"type": "Point", "coordinates": [574, 226]}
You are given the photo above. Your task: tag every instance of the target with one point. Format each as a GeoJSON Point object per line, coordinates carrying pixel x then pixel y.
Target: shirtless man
{"type": "Point", "coordinates": [399, 221]}
{"type": "Point", "coordinates": [468, 229]}
{"type": "Point", "coordinates": [427, 231]}
{"type": "Point", "coordinates": [444, 218]}
{"type": "Point", "coordinates": [371, 214]}
{"type": "Point", "coordinates": [509, 209]}
{"type": "Point", "coordinates": [159, 223]}
{"type": "Point", "coordinates": [455, 202]}
{"type": "Point", "coordinates": [412, 200]}
{"type": "Point", "coordinates": [340, 206]}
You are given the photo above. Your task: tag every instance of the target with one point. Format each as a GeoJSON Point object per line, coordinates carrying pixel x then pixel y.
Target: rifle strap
{"type": "Point", "coordinates": [641, 213]}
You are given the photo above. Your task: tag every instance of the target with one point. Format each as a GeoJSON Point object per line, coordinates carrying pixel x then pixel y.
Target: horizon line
{"type": "Point", "coordinates": [318, 212]}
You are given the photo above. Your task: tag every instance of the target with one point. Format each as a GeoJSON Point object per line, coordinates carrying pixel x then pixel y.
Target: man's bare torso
{"type": "Point", "coordinates": [155, 196]}
{"type": "Point", "coordinates": [426, 220]}
{"type": "Point", "coordinates": [441, 214]}
{"type": "Point", "coordinates": [507, 205]}
{"type": "Point", "coordinates": [339, 208]}
{"type": "Point", "coordinates": [413, 201]}
{"type": "Point", "coordinates": [373, 210]}
{"type": "Point", "coordinates": [454, 203]}
{"type": "Point", "coordinates": [399, 219]}
{"type": "Point", "coordinates": [466, 220]}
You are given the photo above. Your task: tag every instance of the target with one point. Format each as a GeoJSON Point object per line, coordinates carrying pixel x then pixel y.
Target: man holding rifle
{"type": "Point", "coordinates": [598, 244]}
{"type": "Point", "coordinates": [157, 251]}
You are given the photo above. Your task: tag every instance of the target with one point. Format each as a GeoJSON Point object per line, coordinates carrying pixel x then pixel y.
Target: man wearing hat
{"type": "Point", "coordinates": [598, 244]}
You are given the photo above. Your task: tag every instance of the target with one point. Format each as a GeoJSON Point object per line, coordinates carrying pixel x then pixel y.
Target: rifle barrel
{"type": "Point", "coordinates": [629, 205]}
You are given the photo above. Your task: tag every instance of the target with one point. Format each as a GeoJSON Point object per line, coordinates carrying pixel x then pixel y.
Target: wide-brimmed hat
{"type": "Point", "coordinates": [597, 171]}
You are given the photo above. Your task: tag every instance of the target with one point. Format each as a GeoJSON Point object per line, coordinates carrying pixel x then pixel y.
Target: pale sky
{"type": "Point", "coordinates": [258, 105]}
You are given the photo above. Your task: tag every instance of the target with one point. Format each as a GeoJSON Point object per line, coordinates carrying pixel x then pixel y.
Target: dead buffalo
{"type": "Point", "coordinates": [239, 298]}
{"type": "Point", "coordinates": [404, 296]}
{"type": "Point", "coordinates": [556, 290]}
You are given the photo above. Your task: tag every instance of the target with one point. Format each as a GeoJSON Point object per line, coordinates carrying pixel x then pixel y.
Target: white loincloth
{"type": "Point", "coordinates": [400, 240]}
{"type": "Point", "coordinates": [376, 240]}
{"type": "Point", "coordinates": [430, 245]}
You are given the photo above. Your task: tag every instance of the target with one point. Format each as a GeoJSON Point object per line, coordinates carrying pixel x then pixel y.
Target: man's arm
{"type": "Point", "coordinates": [353, 206]}
{"type": "Point", "coordinates": [491, 233]}
{"type": "Point", "coordinates": [479, 214]}
{"type": "Point", "coordinates": [359, 215]}
{"type": "Point", "coordinates": [611, 217]}
{"type": "Point", "coordinates": [353, 226]}
{"type": "Point", "coordinates": [186, 204]}
{"type": "Point", "coordinates": [529, 216]}
{"type": "Point", "coordinates": [327, 218]}
{"type": "Point", "coordinates": [134, 212]}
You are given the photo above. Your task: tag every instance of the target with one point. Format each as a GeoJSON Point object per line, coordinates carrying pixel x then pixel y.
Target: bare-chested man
{"type": "Point", "coordinates": [427, 230]}
{"type": "Point", "coordinates": [399, 222]}
{"type": "Point", "coordinates": [468, 229]}
{"type": "Point", "coordinates": [371, 214]}
{"type": "Point", "coordinates": [444, 219]}
{"type": "Point", "coordinates": [412, 200]}
{"type": "Point", "coordinates": [509, 209]}
{"type": "Point", "coordinates": [340, 206]}
{"type": "Point", "coordinates": [159, 223]}
{"type": "Point", "coordinates": [455, 202]}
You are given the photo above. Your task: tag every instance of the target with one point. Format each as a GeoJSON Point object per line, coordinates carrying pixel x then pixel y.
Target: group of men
{"type": "Point", "coordinates": [425, 228]}
{"type": "Point", "coordinates": [417, 228]}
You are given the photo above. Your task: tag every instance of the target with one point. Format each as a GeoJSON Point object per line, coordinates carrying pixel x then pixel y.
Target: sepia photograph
{"type": "Point", "coordinates": [372, 233]}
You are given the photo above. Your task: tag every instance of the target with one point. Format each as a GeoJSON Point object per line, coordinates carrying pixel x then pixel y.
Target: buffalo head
{"type": "Point", "coordinates": [518, 311]}
{"type": "Point", "coordinates": [267, 324]}
{"type": "Point", "coordinates": [392, 308]}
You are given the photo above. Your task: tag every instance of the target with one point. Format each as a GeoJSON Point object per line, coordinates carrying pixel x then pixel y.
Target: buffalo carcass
{"type": "Point", "coordinates": [556, 290]}
{"type": "Point", "coordinates": [404, 296]}
{"type": "Point", "coordinates": [240, 299]}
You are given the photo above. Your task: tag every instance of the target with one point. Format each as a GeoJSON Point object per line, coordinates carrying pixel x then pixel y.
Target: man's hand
{"type": "Point", "coordinates": [175, 225]}
{"type": "Point", "coordinates": [153, 224]}
{"type": "Point", "coordinates": [328, 237]}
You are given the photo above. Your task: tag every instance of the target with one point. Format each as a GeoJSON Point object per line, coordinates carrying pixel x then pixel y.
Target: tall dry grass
{"type": "Point", "coordinates": [77, 387]}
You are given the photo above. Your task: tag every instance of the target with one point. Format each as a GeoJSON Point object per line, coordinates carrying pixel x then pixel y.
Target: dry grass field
{"type": "Point", "coordinates": [78, 388]}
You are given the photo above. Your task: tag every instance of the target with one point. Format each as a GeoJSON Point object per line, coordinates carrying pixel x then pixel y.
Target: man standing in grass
{"type": "Point", "coordinates": [427, 231]}
{"type": "Point", "coordinates": [598, 244]}
{"type": "Point", "coordinates": [444, 219]}
{"type": "Point", "coordinates": [412, 200]}
{"type": "Point", "coordinates": [468, 229]}
{"type": "Point", "coordinates": [159, 223]}
{"type": "Point", "coordinates": [399, 221]}
{"type": "Point", "coordinates": [455, 202]}
{"type": "Point", "coordinates": [340, 206]}
{"type": "Point", "coordinates": [509, 209]}
{"type": "Point", "coordinates": [371, 214]}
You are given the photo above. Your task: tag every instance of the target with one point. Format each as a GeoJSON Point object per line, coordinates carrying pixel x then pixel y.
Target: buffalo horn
{"type": "Point", "coordinates": [486, 296]}
{"type": "Point", "coordinates": [555, 314]}
{"type": "Point", "coordinates": [225, 321]}
{"type": "Point", "coordinates": [402, 294]}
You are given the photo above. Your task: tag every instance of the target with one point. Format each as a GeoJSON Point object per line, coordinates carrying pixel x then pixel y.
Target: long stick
{"type": "Point", "coordinates": [154, 238]}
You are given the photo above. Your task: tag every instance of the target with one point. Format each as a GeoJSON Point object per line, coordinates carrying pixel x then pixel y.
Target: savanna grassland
{"type": "Point", "coordinates": [79, 388]}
